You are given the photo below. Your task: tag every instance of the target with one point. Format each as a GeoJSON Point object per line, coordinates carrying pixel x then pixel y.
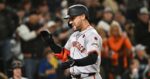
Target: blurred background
{"type": "Point", "coordinates": [124, 26]}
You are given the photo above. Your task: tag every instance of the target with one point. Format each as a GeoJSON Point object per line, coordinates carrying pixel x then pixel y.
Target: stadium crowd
{"type": "Point", "coordinates": [124, 26]}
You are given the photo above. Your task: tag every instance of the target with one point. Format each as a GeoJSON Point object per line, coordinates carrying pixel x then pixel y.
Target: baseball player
{"type": "Point", "coordinates": [83, 46]}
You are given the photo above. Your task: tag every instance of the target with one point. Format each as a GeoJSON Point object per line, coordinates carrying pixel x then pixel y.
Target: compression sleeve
{"type": "Point", "coordinates": [89, 60]}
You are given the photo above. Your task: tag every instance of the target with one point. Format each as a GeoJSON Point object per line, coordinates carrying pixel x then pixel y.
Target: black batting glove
{"type": "Point", "coordinates": [67, 64]}
{"type": "Point", "coordinates": [47, 37]}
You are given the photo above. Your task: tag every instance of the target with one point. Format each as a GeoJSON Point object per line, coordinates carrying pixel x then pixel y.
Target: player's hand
{"type": "Point", "coordinates": [47, 37]}
{"type": "Point", "coordinates": [67, 64]}
{"type": "Point", "coordinates": [67, 72]}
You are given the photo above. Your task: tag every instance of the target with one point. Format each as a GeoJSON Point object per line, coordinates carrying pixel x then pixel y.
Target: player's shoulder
{"type": "Point", "coordinates": [93, 33]}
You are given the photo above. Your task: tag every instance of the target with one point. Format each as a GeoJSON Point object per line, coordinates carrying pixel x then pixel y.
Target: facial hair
{"type": "Point", "coordinates": [76, 29]}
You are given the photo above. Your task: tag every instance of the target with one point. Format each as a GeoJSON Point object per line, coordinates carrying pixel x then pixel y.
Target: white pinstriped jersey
{"type": "Point", "coordinates": [80, 44]}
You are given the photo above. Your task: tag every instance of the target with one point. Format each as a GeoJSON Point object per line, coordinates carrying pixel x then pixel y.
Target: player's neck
{"type": "Point", "coordinates": [85, 25]}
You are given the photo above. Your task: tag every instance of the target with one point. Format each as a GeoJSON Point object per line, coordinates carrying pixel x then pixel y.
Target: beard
{"type": "Point", "coordinates": [75, 28]}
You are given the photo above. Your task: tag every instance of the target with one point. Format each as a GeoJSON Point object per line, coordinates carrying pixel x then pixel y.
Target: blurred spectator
{"type": "Point", "coordinates": [133, 71]}
{"type": "Point", "coordinates": [102, 32]}
{"type": "Point", "coordinates": [104, 36]}
{"type": "Point", "coordinates": [107, 19]}
{"type": "Point", "coordinates": [129, 29]}
{"type": "Point", "coordinates": [105, 64]}
{"type": "Point", "coordinates": [43, 7]}
{"type": "Point", "coordinates": [8, 24]}
{"type": "Point", "coordinates": [59, 22]}
{"type": "Point", "coordinates": [142, 57]}
{"type": "Point", "coordinates": [17, 70]}
{"type": "Point", "coordinates": [48, 65]}
{"type": "Point", "coordinates": [31, 43]}
{"type": "Point", "coordinates": [21, 15]}
{"type": "Point", "coordinates": [111, 3]}
{"type": "Point", "coordinates": [36, 3]}
{"type": "Point", "coordinates": [47, 17]}
{"type": "Point", "coordinates": [95, 10]}
{"type": "Point", "coordinates": [51, 26]}
{"type": "Point", "coordinates": [121, 4]}
{"type": "Point", "coordinates": [71, 2]}
{"type": "Point", "coordinates": [56, 30]}
{"type": "Point", "coordinates": [132, 7]}
{"type": "Point", "coordinates": [26, 5]}
{"type": "Point", "coordinates": [43, 10]}
{"type": "Point", "coordinates": [58, 13]}
{"type": "Point", "coordinates": [13, 3]}
{"type": "Point", "coordinates": [44, 18]}
{"type": "Point", "coordinates": [64, 5]}
{"type": "Point", "coordinates": [3, 76]}
{"type": "Point", "coordinates": [120, 17]}
{"type": "Point", "coordinates": [120, 49]}
{"type": "Point", "coordinates": [142, 28]}
{"type": "Point", "coordinates": [146, 74]}
{"type": "Point", "coordinates": [62, 32]}
{"type": "Point", "coordinates": [16, 48]}
{"type": "Point", "coordinates": [27, 44]}
{"type": "Point", "coordinates": [53, 6]}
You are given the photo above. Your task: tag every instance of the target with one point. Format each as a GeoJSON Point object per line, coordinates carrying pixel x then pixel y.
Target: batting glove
{"type": "Point", "coordinates": [67, 64]}
{"type": "Point", "coordinates": [47, 37]}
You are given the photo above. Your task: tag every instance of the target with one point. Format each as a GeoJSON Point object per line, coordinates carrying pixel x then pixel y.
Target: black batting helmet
{"type": "Point", "coordinates": [76, 10]}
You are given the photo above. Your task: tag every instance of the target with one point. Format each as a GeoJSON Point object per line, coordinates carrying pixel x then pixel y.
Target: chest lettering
{"type": "Point", "coordinates": [78, 46]}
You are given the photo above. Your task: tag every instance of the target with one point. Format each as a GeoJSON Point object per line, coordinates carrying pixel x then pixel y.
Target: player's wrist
{"type": "Point", "coordinates": [71, 69]}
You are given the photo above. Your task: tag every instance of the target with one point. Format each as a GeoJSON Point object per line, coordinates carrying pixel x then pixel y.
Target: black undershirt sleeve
{"type": "Point", "coordinates": [89, 60]}
{"type": "Point", "coordinates": [55, 47]}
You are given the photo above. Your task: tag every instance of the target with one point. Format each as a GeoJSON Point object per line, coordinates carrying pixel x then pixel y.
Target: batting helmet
{"type": "Point", "coordinates": [76, 10]}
